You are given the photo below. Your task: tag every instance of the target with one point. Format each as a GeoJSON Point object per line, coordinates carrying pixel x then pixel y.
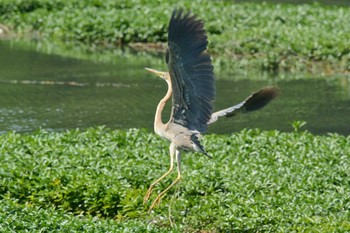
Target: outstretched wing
{"type": "Point", "coordinates": [254, 102]}
{"type": "Point", "coordinates": [191, 72]}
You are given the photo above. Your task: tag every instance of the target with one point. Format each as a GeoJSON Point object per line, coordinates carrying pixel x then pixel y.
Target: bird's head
{"type": "Point", "coordinates": [163, 75]}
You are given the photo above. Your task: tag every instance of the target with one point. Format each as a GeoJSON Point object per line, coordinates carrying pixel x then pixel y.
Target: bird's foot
{"type": "Point", "coordinates": [148, 194]}
{"type": "Point", "coordinates": [156, 202]}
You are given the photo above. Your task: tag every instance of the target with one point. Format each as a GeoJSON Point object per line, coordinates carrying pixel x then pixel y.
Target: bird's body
{"type": "Point", "coordinates": [182, 137]}
{"type": "Point", "coordinates": [191, 85]}
{"type": "Point", "coordinates": [179, 135]}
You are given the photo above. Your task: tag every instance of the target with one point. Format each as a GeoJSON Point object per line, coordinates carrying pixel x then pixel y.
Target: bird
{"type": "Point", "coordinates": [191, 85]}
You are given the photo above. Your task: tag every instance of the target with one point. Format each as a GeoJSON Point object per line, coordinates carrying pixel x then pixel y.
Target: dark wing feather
{"type": "Point", "coordinates": [254, 102]}
{"type": "Point", "coordinates": [191, 72]}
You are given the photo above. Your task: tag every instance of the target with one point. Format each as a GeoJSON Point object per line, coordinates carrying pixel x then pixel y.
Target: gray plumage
{"type": "Point", "coordinates": [191, 86]}
{"type": "Point", "coordinates": [191, 72]}
{"type": "Point", "coordinates": [252, 103]}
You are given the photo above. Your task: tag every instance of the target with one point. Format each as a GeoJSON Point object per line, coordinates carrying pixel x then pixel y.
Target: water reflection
{"type": "Point", "coordinates": [54, 92]}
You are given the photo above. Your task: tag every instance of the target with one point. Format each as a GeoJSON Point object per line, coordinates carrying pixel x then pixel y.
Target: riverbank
{"type": "Point", "coordinates": [292, 38]}
{"type": "Point", "coordinates": [94, 180]}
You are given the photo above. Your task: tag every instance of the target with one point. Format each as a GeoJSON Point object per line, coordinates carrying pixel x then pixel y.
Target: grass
{"type": "Point", "coordinates": [272, 37]}
{"type": "Point", "coordinates": [94, 181]}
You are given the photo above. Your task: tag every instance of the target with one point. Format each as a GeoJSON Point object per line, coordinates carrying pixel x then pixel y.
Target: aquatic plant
{"type": "Point", "coordinates": [95, 180]}
{"type": "Point", "coordinates": [273, 37]}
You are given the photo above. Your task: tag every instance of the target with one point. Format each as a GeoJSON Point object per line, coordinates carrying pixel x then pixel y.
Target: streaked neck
{"type": "Point", "coordinates": [158, 123]}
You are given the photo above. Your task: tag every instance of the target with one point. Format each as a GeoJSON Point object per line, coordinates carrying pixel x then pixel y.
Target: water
{"type": "Point", "coordinates": [38, 90]}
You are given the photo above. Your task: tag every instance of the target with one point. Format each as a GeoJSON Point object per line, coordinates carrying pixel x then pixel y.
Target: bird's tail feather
{"type": "Point", "coordinates": [198, 146]}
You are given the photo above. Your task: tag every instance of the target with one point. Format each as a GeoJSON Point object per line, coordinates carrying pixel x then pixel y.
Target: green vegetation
{"type": "Point", "coordinates": [258, 181]}
{"type": "Point", "coordinates": [94, 181]}
{"type": "Point", "coordinates": [313, 38]}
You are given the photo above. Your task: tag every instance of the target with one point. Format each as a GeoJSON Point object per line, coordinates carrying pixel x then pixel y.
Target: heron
{"type": "Point", "coordinates": [191, 84]}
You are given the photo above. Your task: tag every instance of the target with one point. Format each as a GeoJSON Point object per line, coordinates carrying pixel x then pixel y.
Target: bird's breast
{"type": "Point", "coordinates": [180, 136]}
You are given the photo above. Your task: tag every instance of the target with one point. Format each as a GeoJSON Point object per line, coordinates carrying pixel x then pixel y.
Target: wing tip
{"type": "Point", "coordinates": [261, 98]}
{"type": "Point", "coordinates": [185, 21]}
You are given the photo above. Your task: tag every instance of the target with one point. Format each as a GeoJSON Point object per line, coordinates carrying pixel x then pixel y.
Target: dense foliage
{"type": "Point", "coordinates": [94, 181]}
{"type": "Point", "coordinates": [258, 181]}
{"type": "Point", "coordinates": [270, 37]}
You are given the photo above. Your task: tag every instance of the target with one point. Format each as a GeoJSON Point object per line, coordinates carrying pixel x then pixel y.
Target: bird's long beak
{"type": "Point", "coordinates": [156, 72]}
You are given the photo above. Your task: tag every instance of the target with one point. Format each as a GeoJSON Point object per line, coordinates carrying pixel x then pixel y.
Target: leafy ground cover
{"type": "Point", "coordinates": [308, 37]}
{"type": "Point", "coordinates": [94, 181]}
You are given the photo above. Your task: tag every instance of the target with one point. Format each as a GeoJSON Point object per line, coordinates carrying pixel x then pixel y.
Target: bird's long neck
{"type": "Point", "coordinates": [158, 123]}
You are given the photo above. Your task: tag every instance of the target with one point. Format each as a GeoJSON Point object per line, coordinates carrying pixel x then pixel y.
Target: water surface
{"type": "Point", "coordinates": [39, 90]}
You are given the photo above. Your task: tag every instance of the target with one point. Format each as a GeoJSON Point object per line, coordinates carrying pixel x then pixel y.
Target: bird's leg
{"type": "Point", "coordinates": [149, 191]}
{"type": "Point", "coordinates": [160, 196]}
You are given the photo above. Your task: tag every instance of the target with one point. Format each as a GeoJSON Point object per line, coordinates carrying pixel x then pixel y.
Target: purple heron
{"type": "Point", "coordinates": [191, 85]}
